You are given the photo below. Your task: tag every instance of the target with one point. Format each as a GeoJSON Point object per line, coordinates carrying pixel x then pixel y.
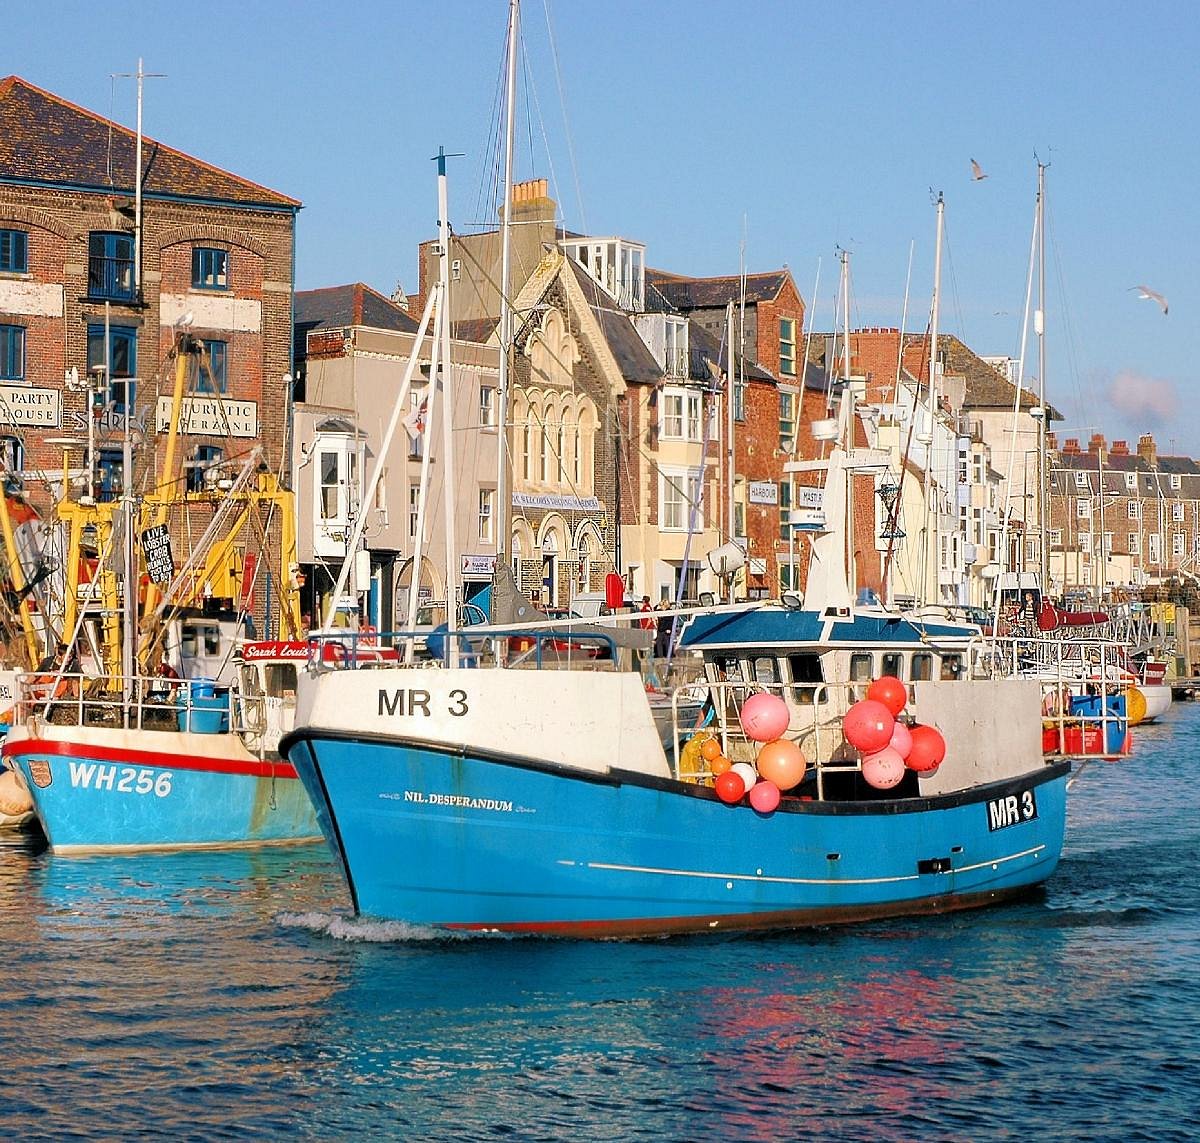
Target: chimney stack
{"type": "Point", "coordinates": [1148, 450]}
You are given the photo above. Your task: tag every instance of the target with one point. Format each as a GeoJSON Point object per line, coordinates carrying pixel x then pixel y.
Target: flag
{"type": "Point", "coordinates": [414, 423]}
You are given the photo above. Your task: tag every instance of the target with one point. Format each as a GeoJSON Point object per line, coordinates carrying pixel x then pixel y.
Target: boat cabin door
{"type": "Point", "coordinates": [268, 703]}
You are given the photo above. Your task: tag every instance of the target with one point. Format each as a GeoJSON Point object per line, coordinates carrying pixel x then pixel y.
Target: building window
{"type": "Point", "coordinates": [1056, 537]}
{"type": "Point", "coordinates": [203, 458]}
{"type": "Point", "coordinates": [1134, 509]}
{"type": "Point", "coordinates": [414, 423]}
{"type": "Point", "coordinates": [785, 509]}
{"type": "Point", "coordinates": [1081, 480]}
{"type": "Point", "coordinates": [1131, 481]}
{"type": "Point", "coordinates": [1177, 511]}
{"type": "Point", "coordinates": [110, 474]}
{"type": "Point", "coordinates": [110, 266]}
{"type": "Point", "coordinates": [739, 400]}
{"type": "Point", "coordinates": [787, 346]}
{"type": "Point", "coordinates": [1083, 508]}
{"type": "Point", "coordinates": [682, 415]}
{"type": "Point", "coordinates": [1176, 481]}
{"type": "Point", "coordinates": [1154, 548]}
{"type": "Point", "coordinates": [210, 268]}
{"type": "Point", "coordinates": [210, 368]}
{"type": "Point", "coordinates": [1135, 543]}
{"type": "Point", "coordinates": [787, 420]}
{"type": "Point", "coordinates": [487, 407]}
{"type": "Point", "coordinates": [1177, 544]}
{"type": "Point", "coordinates": [675, 342]}
{"type": "Point", "coordinates": [329, 485]}
{"type": "Point", "coordinates": [679, 492]}
{"type": "Point", "coordinates": [527, 450]}
{"type": "Point", "coordinates": [487, 514]}
{"type": "Point", "coordinates": [414, 509]}
{"type": "Point", "coordinates": [12, 464]}
{"type": "Point", "coordinates": [14, 252]}
{"type": "Point", "coordinates": [121, 365]}
{"type": "Point", "coordinates": [12, 353]}
{"type": "Point", "coordinates": [547, 450]}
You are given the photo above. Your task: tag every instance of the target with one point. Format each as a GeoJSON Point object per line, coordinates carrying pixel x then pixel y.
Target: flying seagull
{"type": "Point", "coordinates": [976, 172]}
{"type": "Point", "coordinates": [1149, 295]}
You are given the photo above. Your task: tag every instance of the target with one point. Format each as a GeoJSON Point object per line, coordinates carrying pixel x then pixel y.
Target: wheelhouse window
{"type": "Point", "coordinates": [211, 367]}
{"type": "Point", "coordinates": [807, 678]}
{"type": "Point", "coordinates": [14, 252]}
{"type": "Point", "coordinates": [765, 671]}
{"type": "Point", "coordinates": [12, 353]}
{"type": "Point", "coordinates": [110, 266]}
{"type": "Point", "coordinates": [892, 664]}
{"type": "Point", "coordinates": [210, 268]}
{"type": "Point", "coordinates": [922, 666]}
{"type": "Point", "coordinates": [860, 668]}
{"type": "Point", "coordinates": [121, 366]}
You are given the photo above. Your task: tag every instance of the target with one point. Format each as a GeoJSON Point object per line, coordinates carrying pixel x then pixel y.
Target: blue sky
{"type": "Point", "coordinates": [793, 127]}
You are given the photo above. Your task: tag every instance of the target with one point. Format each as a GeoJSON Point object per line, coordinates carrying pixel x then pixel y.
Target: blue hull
{"type": "Point", "coordinates": [444, 838]}
{"type": "Point", "coordinates": [92, 796]}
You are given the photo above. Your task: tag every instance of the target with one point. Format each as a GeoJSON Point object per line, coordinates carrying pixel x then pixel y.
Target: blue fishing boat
{"type": "Point", "coordinates": [159, 730]}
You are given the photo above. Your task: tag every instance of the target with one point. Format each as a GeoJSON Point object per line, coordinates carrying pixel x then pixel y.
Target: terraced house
{"type": "Point", "coordinates": [96, 279]}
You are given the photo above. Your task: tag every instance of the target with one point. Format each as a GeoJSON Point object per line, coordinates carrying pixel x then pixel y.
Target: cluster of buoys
{"type": "Point", "coordinates": [780, 764]}
{"type": "Point", "coordinates": [888, 746]}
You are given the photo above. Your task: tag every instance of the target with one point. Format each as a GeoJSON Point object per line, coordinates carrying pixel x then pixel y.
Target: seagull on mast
{"type": "Point", "coordinates": [1148, 294]}
{"type": "Point", "coordinates": [976, 172]}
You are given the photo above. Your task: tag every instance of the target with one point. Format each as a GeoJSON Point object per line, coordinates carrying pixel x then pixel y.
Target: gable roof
{"type": "Point", "coordinates": [678, 293]}
{"type": "Point", "coordinates": [632, 355]}
{"type": "Point", "coordinates": [47, 141]}
{"type": "Point", "coordinates": [334, 307]}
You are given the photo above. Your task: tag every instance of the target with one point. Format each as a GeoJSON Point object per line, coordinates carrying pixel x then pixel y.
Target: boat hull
{"type": "Point", "coordinates": [98, 789]}
{"type": "Point", "coordinates": [1158, 700]}
{"type": "Point", "coordinates": [433, 834]}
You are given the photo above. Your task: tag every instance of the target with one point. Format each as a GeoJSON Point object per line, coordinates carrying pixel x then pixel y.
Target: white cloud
{"type": "Point", "coordinates": [1147, 402]}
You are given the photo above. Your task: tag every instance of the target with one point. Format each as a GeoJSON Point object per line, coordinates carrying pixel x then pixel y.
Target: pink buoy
{"type": "Point", "coordinates": [901, 741]}
{"type": "Point", "coordinates": [868, 725]}
{"type": "Point", "coordinates": [884, 769]}
{"type": "Point", "coordinates": [928, 749]}
{"type": "Point", "coordinates": [764, 717]}
{"type": "Point", "coordinates": [890, 691]}
{"type": "Point", "coordinates": [764, 797]}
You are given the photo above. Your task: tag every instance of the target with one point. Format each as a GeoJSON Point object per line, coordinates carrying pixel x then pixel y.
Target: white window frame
{"type": "Point", "coordinates": [1135, 543]}
{"type": "Point", "coordinates": [1176, 481]}
{"type": "Point", "coordinates": [487, 515]}
{"type": "Point", "coordinates": [1083, 508]}
{"type": "Point", "coordinates": [487, 406]}
{"type": "Point", "coordinates": [1131, 481]}
{"type": "Point", "coordinates": [1177, 511]}
{"type": "Point", "coordinates": [1082, 479]}
{"type": "Point", "coordinates": [1134, 509]}
{"type": "Point", "coordinates": [678, 489]}
{"type": "Point", "coordinates": [1178, 545]}
{"type": "Point", "coordinates": [1154, 547]}
{"type": "Point", "coordinates": [681, 416]}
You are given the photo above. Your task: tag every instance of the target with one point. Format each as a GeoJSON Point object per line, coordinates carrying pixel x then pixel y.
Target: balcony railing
{"type": "Point", "coordinates": [110, 278]}
{"type": "Point", "coordinates": [675, 362]}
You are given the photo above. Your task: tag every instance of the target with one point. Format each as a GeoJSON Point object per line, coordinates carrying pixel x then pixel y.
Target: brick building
{"type": "Point", "coordinates": [82, 269]}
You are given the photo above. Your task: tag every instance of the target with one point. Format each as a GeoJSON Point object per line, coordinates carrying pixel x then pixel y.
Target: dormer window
{"type": "Point", "coordinates": [616, 263]}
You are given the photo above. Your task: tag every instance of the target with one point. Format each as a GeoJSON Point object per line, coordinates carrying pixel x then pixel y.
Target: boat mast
{"type": "Point", "coordinates": [932, 508]}
{"type": "Point", "coordinates": [1039, 327]}
{"type": "Point", "coordinates": [729, 456]}
{"type": "Point", "coordinates": [506, 316]}
{"type": "Point", "coordinates": [445, 377]}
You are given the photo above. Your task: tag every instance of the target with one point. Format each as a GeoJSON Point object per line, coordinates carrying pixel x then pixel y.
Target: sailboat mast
{"type": "Point", "coordinates": [1039, 326]}
{"type": "Point", "coordinates": [729, 418]}
{"type": "Point", "coordinates": [506, 315]}
{"type": "Point", "coordinates": [453, 571]}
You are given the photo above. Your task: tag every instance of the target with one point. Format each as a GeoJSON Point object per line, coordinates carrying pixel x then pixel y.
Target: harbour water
{"type": "Point", "coordinates": [216, 996]}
